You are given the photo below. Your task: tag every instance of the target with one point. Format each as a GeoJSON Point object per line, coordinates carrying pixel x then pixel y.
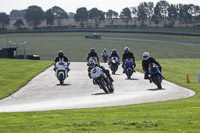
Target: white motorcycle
{"type": "Point", "coordinates": [101, 79]}
{"type": "Point", "coordinates": [61, 71]}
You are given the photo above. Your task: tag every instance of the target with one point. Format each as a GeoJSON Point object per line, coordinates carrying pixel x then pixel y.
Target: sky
{"type": "Point", "coordinates": [72, 5]}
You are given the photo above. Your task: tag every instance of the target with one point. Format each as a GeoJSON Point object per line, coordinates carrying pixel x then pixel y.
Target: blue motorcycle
{"type": "Point", "coordinates": [129, 67]}
{"type": "Point", "coordinates": [155, 75]}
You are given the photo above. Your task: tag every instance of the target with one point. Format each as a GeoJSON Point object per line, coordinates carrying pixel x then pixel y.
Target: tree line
{"type": "Point", "coordinates": [161, 12]}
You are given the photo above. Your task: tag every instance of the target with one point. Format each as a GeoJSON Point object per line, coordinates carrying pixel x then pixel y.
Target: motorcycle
{"type": "Point", "coordinates": [129, 67]}
{"type": "Point", "coordinates": [155, 75]}
{"type": "Point", "coordinates": [105, 57]}
{"type": "Point", "coordinates": [114, 63]}
{"type": "Point", "coordinates": [61, 71]}
{"type": "Point", "coordinates": [100, 78]}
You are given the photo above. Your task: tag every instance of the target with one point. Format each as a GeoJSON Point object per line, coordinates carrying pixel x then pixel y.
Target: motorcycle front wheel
{"type": "Point", "coordinates": [157, 81]}
{"type": "Point", "coordinates": [103, 85]}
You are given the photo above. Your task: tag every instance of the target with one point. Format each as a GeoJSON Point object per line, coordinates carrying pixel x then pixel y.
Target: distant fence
{"type": "Point", "coordinates": [93, 30]}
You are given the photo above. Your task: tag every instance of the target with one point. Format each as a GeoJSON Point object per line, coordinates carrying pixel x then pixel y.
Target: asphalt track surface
{"type": "Point", "coordinates": [44, 92]}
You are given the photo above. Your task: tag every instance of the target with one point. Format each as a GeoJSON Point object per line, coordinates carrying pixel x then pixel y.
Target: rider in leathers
{"type": "Point", "coordinates": [61, 57]}
{"type": "Point", "coordinates": [113, 54]}
{"type": "Point", "coordinates": [92, 54]}
{"type": "Point", "coordinates": [145, 64]}
{"type": "Point", "coordinates": [127, 54]}
{"type": "Point", "coordinates": [105, 52]}
{"type": "Point", "coordinates": [92, 64]}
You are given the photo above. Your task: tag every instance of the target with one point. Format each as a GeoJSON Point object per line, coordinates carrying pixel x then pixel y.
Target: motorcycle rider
{"type": "Point", "coordinates": [61, 57]}
{"type": "Point", "coordinates": [105, 52]}
{"type": "Point", "coordinates": [92, 54]}
{"type": "Point", "coordinates": [113, 54]}
{"type": "Point", "coordinates": [91, 64]}
{"type": "Point", "coordinates": [145, 64]}
{"type": "Point", "coordinates": [127, 54]}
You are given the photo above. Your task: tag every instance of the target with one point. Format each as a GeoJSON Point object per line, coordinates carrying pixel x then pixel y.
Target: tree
{"type": "Point", "coordinates": [172, 14]}
{"type": "Point", "coordinates": [34, 15]}
{"type": "Point", "coordinates": [49, 17]}
{"type": "Point", "coordinates": [197, 14]}
{"type": "Point", "coordinates": [17, 14]}
{"type": "Point", "coordinates": [187, 16]}
{"type": "Point", "coordinates": [135, 14]}
{"type": "Point", "coordinates": [163, 5]}
{"type": "Point", "coordinates": [156, 16]}
{"type": "Point", "coordinates": [4, 20]}
{"type": "Point", "coordinates": [81, 16]}
{"type": "Point", "coordinates": [111, 16]}
{"type": "Point", "coordinates": [59, 14]}
{"type": "Point", "coordinates": [142, 12]}
{"type": "Point", "coordinates": [19, 23]}
{"type": "Point", "coordinates": [126, 15]}
{"type": "Point", "coordinates": [97, 15]}
{"type": "Point", "coordinates": [179, 9]}
{"type": "Point", "coordinates": [149, 11]}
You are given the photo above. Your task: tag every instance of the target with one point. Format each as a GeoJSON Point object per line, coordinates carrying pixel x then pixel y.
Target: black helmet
{"type": "Point", "coordinates": [60, 54]}
{"type": "Point", "coordinates": [92, 50]}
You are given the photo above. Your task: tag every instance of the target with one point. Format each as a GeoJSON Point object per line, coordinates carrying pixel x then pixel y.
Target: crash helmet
{"type": "Point", "coordinates": [114, 50]}
{"type": "Point", "coordinates": [60, 54]}
{"type": "Point", "coordinates": [146, 55]}
{"type": "Point", "coordinates": [126, 49]}
{"type": "Point", "coordinates": [91, 63]}
{"type": "Point", "coordinates": [104, 50]}
{"type": "Point", "coordinates": [92, 50]}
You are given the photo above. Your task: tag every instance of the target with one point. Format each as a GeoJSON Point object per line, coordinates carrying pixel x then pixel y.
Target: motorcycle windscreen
{"type": "Point", "coordinates": [95, 72]}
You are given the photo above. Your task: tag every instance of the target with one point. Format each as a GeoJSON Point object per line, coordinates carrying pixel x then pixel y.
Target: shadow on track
{"type": "Point", "coordinates": [117, 74]}
{"type": "Point", "coordinates": [63, 84]}
{"type": "Point", "coordinates": [156, 89]}
{"type": "Point", "coordinates": [132, 79]}
{"type": "Point", "coordinates": [101, 93]}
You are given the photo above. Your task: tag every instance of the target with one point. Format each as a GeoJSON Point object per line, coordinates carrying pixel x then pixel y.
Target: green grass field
{"type": "Point", "coordinates": [170, 116]}
{"type": "Point", "coordinates": [47, 45]}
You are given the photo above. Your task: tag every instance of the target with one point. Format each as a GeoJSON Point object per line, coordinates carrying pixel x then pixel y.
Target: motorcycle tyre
{"type": "Point", "coordinates": [61, 79]}
{"type": "Point", "coordinates": [156, 80]}
{"type": "Point", "coordinates": [129, 75]}
{"type": "Point", "coordinates": [102, 84]}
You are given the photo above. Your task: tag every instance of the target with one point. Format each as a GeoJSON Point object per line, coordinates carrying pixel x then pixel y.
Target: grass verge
{"type": "Point", "coordinates": [14, 74]}
{"type": "Point", "coordinates": [169, 116]}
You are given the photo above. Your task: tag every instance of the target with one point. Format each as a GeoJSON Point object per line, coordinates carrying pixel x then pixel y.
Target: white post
{"type": "Point", "coordinates": [24, 50]}
{"type": "Point", "coordinates": [198, 77]}
{"type": "Point", "coordinates": [10, 43]}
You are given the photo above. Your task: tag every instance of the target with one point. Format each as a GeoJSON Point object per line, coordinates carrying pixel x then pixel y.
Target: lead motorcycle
{"type": "Point", "coordinates": [100, 78]}
{"type": "Point", "coordinates": [114, 63]}
{"type": "Point", "coordinates": [155, 75]}
{"type": "Point", "coordinates": [129, 67]}
{"type": "Point", "coordinates": [61, 69]}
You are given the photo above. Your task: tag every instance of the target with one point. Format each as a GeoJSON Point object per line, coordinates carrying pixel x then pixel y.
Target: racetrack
{"type": "Point", "coordinates": [44, 93]}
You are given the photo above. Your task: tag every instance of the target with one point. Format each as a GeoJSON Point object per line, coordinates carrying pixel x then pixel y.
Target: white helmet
{"type": "Point", "coordinates": [146, 55]}
{"type": "Point", "coordinates": [126, 49]}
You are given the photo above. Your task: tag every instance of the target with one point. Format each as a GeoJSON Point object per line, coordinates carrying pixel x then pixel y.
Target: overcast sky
{"type": "Point", "coordinates": [73, 5]}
